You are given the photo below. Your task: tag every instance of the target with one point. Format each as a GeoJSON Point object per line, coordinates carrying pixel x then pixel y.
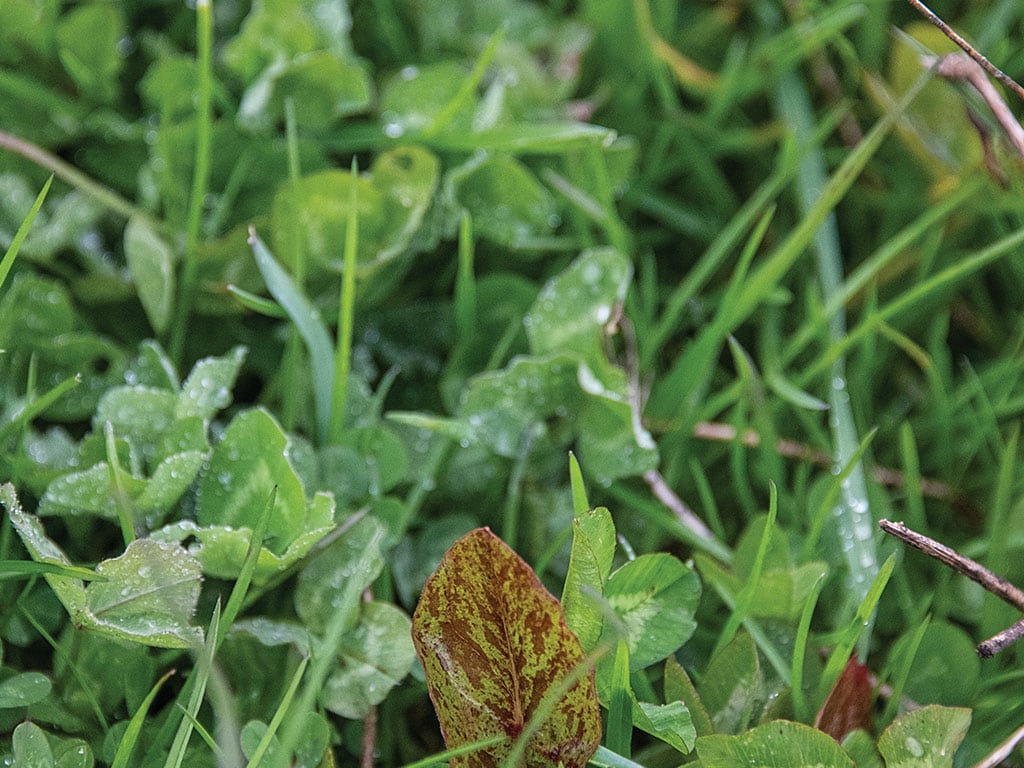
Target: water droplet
{"type": "Point", "coordinates": [914, 747]}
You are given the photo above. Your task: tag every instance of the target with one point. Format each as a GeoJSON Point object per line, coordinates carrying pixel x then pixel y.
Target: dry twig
{"type": "Point", "coordinates": [975, 571]}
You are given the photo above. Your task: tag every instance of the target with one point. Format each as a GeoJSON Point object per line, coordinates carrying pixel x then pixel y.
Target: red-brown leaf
{"type": "Point", "coordinates": [848, 705]}
{"type": "Point", "coordinates": [493, 642]}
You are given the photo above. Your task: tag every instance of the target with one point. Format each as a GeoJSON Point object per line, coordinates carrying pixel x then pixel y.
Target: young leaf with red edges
{"type": "Point", "coordinates": [848, 705]}
{"type": "Point", "coordinates": [493, 642]}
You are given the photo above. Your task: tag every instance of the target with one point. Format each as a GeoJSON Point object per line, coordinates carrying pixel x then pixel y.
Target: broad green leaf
{"type": "Point", "coordinates": [493, 643]}
{"type": "Point", "coordinates": [24, 690]}
{"type": "Point", "coordinates": [413, 97]}
{"type": "Point", "coordinates": [946, 670]}
{"type": "Point", "coordinates": [149, 595]}
{"type": "Point", "coordinates": [655, 596]}
{"type": "Point", "coordinates": [499, 406]}
{"type": "Point", "coordinates": [779, 744]}
{"type": "Point", "coordinates": [572, 309]}
{"type": "Point", "coordinates": [141, 415]}
{"type": "Point", "coordinates": [207, 389]}
{"type": "Point", "coordinates": [252, 458]}
{"type": "Point", "coordinates": [590, 562]}
{"type": "Point", "coordinates": [679, 687]}
{"type": "Point", "coordinates": [733, 685]}
{"type": "Point", "coordinates": [337, 577]}
{"type": "Point", "coordinates": [152, 265]}
{"type": "Point", "coordinates": [221, 549]}
{"type": "Point", "coordinates": [392, 200]}
{"type": "Point", "coordinates": [372, 659]}
{"type": "Point", "coordinates": [925, 738]}
{"type": "Point", "coordinates": [860, 746]}
{"type": "Point", "coordinates": [31, 748]}
{"type": "Point", "coordinates": [323, 87]}
{"type": "Point", "coordinates": [507, 203]}
{"type": "Point", "coordinates": [669, 722]}
{"type": "Point", "coordinates": [383, 455]}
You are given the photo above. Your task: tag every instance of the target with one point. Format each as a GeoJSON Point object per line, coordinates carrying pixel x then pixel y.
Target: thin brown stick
{"type": "Point", "coordinates": [969, 49]}
{"type": "Point", "coordinates": [370, 721]}
{"type": "Point", "coordinates": [1001, 640]}
{"type": "Point", "coordinates": [957, 66]}
{"type": "Point", "coordinates": [975, 571]}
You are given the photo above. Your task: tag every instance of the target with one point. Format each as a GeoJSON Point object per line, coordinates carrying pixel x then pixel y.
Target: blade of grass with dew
{"type": "Point", "coordinates": [995, 614]}
{"type": "Point", "coordinates": [803, 631]}
{"type": "Point", "coordinates": [294, 366]}
{"type": "Point", "coordinates": [614, 229]}
{"type": "Point", "coordinates": [817, 521]}
{"type": "Point", "coordinates": [346, 315]}
{"type": "Point", "coordinates": [850, 636]}
{"type": "Point", "coordinates": [205, 735]}
{"type": "Point", "coordinates": [16, 569]}
{"type": "Point", "coordinates": [275, 722]}
{"type": "Point", "coordinates": [307, 319]}
{"type": "Point", "coordinates": [200, 173]}
{"type": "Point", "coordinates": [853, 513]}
{"type": "Point", "coordinates": [745, 598]}
{"type": "Point", "coordinates": [236, 600]}
{"type": "Point", "coordinates": [131, 734]}
{"type": "Point", "coordinates": [201, 673]}
{"type": "Point", "coordinates": [123, 505]}
{"type": "Point", "coordinates": [19, 237]}
{"type": "Point", "coordinates": [580, 504]}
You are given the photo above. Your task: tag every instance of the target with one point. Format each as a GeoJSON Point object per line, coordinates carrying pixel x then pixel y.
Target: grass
{"type": "Point", "coordinates": [750, 265]}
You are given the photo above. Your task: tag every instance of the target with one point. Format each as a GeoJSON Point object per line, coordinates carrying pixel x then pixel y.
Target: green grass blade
{"type": "Point", "coordinates": [236, 600]}
{"type": "Point", "coordinates": [902, 672]}
{"type": "Point", "coordinates": [201, 673]}
{"type": "Point", "coordinates": [463, 749]}
{"type": "Point", "coordinates": [39, 405]}
{"type": "Point", "coordinates": [468, 86]}
{"type": "Point", "coordinates": [279, 714]}
{"type": "Point", "coordinates": [465, 284]}
{"type": "Point", "coordinates": [19, 237]}
{"type": "Point", "coordinates": [619, 732]}
{"type": "Point", "coordinates": [745, 599]}
{"type": "Point", "coordinates": [580, 504]}
{"type": "Point", "coordinates": [346, 315]}
{"type": "Point", "coordinates": [803, 631]}
{"type": "Point", "coordinates": [134, 729]}
{"type": "Point", "coordinates": [200, 174]}
{"type": "Point", "coordinates": [849, 637]}
{"type": "Point", "coordinates": [258, 304]}
{"type": "Point", "coordinates": [307, 319]}
{"type": "Point", "coordinates": [123, 505]}
{"type": "Point", "coordinates": [14, 569]}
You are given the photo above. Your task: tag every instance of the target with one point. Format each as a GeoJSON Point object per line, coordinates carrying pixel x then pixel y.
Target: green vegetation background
{"type": "Point", "coordinates": [397, 259]}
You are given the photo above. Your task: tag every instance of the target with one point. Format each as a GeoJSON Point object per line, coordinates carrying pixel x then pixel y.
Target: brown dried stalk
{"type": "Point", "coordinates": [975, 571]}
{"type": "Point", "coordinates": [969, 49]}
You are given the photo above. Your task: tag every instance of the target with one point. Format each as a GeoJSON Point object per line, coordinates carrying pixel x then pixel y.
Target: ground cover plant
{"type": "Point", "coordinates": [509, 383]}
